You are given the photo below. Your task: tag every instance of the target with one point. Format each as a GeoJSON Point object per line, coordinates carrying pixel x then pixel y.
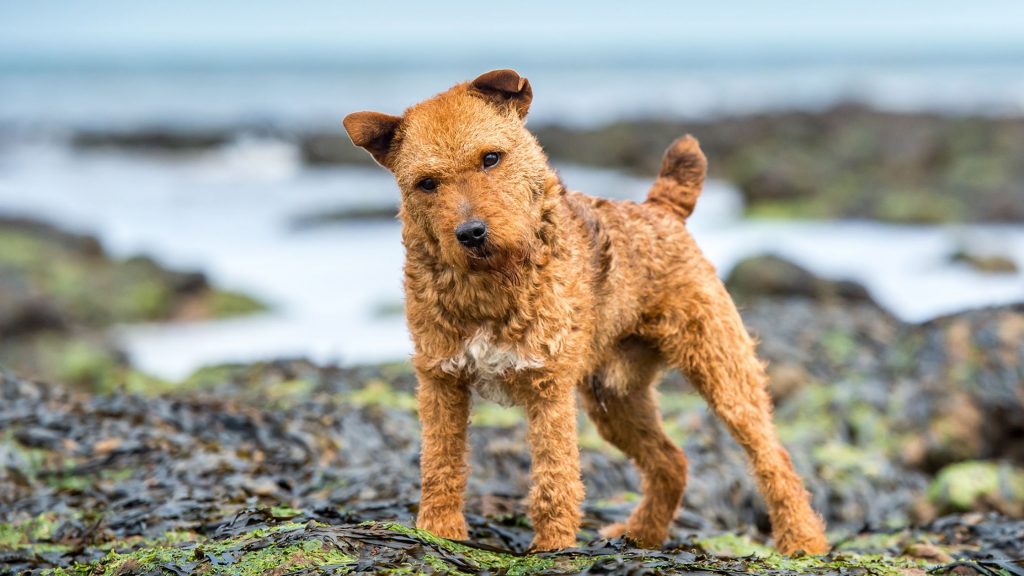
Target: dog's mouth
{"type": "Point", "coordinates": [506, 261]}
{"type": "Point", "coordinates": [482, 252]}
{"type": "Point", "coordinates": [482, 257]}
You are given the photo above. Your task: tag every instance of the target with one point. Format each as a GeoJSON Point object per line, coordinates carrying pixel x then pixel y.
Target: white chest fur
{"type": "Point", "coordinates": [488, 364]}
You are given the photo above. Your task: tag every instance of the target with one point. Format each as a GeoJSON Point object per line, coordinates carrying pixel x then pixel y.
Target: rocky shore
{"type": "Point", "coordinates": [909, 437]}
{"type": "Point", "coordinates": [60, 292]}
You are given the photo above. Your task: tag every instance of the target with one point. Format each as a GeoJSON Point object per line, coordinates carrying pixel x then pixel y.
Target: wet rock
{"type": "Point", "coordinates": [81, 244]}
{"type": "Point", "coordinates": [60, 291]}
{"type": "Point", "coordinates": [770, 275]}
{"type": "Point", "coordinates": [341, 216]}
{"type": "Point", "coordinates": [332, 148]}
{"type": "Point", "coordinates": [928, 552]}
{"type": "Point", "coordinates": [845, 162]}
{"type": "Point", "coordinates": [72, 275]}
{"type": "Point", "coordinates": [163, 140]}
{"type": "Point", "coordinates": [873, 411]}
{"type": "Point", "coordinates": [977, 356]}
{"type": "Point", "coordinates": [987, 263]}
{"type": "Point", "coordinates": [979, 486]}
{"type": "Point", "coordinates": [289, 463]}
{"type": "Point", "coordinates": [22, 311]}
{"type": "Point", "coordinates": [786, 379]}
{"type": "Point", "coordinates": [899, 402]}
{"type": "Point", "coordinates": [953, 435]}
{"type": "Point", "coordinates": [948, 389]}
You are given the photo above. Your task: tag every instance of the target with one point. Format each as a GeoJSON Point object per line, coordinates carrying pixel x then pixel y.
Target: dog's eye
{"type": "Point", "coordinates": [491, 159]}
{"type": "Point", "coordinates": [427, 184]}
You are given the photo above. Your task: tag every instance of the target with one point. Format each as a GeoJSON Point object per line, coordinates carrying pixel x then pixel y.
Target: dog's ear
{"type": "Point", "coordinates": [373, 131]}
{"type": "Point", "coordinates": [505, 87]}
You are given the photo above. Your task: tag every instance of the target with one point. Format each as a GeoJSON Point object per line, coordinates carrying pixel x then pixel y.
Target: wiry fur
{"type": "Point", "coordinates": [572, 293]}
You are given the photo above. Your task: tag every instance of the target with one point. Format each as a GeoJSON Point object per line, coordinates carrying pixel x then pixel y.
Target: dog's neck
{"type": "Point", "coordinates": [502, 299]}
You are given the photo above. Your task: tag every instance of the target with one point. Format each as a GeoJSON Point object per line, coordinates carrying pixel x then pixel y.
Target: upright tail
{"type": "Point", "coordinates": [682, 176]}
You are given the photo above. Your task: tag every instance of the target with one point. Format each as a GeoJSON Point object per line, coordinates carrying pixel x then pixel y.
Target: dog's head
{"type": "Point", "coordinates": [472, 177]}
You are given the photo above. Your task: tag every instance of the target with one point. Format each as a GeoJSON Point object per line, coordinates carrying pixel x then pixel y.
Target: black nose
{"type": "Point", "coordinates": [471, 234]}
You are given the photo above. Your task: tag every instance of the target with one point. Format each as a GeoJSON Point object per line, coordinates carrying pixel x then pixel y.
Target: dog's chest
{"type": "Point", "coordinates": [488, 365]}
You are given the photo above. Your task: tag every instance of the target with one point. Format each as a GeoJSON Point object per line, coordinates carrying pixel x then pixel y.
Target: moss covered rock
{"type": "Point", "coordinates": [59, 292]}
{"type": "Point", "coordinates": [979, 485]}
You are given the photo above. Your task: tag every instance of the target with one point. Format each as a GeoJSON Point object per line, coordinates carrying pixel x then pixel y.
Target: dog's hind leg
{"type": "Point", "coordinates": [702, 334]}
{"type": "Point", "coordinates": [622, 403]}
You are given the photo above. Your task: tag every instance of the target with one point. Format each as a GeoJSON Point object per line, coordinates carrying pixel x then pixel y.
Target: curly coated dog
{"type": "Point", "coordinates": [531, 294]}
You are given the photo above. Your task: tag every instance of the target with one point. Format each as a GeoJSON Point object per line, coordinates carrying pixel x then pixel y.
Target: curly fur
{"type": "Point", "coordinates": [570, 294]}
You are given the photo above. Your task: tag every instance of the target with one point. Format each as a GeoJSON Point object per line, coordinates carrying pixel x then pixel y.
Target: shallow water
{"type": "Point", "coordinates": [335, 291]}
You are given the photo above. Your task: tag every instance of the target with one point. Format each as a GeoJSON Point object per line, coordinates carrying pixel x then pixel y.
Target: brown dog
{"type": "Point", "coordinates": [528, 292]}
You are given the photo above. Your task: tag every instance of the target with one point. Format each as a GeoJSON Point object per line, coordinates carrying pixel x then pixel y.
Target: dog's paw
{"type": "Point", "coordinates": [553, 542]}
{"type": "Point", "coordinates": [814, 545]}
{"type": "Point", "coordinates": [808, 538]}
{"type": "Point", "coordinates": [613, 530]}
{"type": "Point", "coordinates": [643, 538]}
{"type": "Point", "coordinates": [450, 528]}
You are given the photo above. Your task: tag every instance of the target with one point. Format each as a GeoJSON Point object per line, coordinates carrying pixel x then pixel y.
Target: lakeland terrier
{"type": "Point", "coordinates": [530, 293]}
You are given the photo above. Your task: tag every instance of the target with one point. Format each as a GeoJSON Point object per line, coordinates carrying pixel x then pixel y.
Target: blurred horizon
{"type": "Point", "coordinates": [206, 33]}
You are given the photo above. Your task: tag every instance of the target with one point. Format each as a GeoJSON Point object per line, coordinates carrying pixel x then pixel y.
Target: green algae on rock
{"type": "Point", "coordinates": [845, 162]}
{"type": "Point", "coordinates": [242, 449]}
{"type": "Point", "coordinates": [393, 548]}
{"type": "Point", "coordinates": [979, 485]}
{"type": "Point", "coordinates": [73, 276]}
{"type": "Point", "coordinates": [60, 292]}
{"type": "Point", "coordinates": [280, 549]}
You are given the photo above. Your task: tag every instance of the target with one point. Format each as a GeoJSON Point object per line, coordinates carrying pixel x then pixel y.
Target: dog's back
{"type": "Point", "coordinates": [639, 253]}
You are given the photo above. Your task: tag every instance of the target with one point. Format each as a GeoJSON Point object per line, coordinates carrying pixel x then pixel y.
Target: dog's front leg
{"type": "Point", "coordinates": [444, 416]}
{"type": "Point", "coordinates": [557, 489]}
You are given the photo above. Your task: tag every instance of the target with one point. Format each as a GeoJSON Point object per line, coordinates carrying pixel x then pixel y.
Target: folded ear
{"type": "Point", "coordinates": [505, 87]}
{"type": "Point", "coordinates": [373, 131]}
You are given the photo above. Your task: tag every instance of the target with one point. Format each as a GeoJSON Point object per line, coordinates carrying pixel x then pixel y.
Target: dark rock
{"type": "Point", "coordinates": [22, 311]}
{"type": "Point", "coordinates": [152, 140]}
{"type": "Point", "coordinates": [974, 358]}
{"type": "Point", "coordinates": [773, 276]}
{"type": "Point", "coordinates": [82, 244]}
{"type": "Point", "coordinates": [60, 291]}
{"type": "Point", "coordinates": [334, 217]}
{"type": "Point", "coordinates": [180, 282]}
{"type": "Point", "coordinates": [332, 148]}
{"type": "Point", "coordinates": [987, 263]}
{"type": "Point", "coordinates": [845, 162]}
{"type": "Point", "coordinates": [978, 486]}
{"type": "Point", "coordinates": [340, 445]}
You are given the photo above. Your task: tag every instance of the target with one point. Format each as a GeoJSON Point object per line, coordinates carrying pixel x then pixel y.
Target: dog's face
{"type": "Point", "coordinates": [471, 176]}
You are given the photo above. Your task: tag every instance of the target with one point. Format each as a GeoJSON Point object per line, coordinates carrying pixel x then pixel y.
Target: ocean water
{"type": "Point", "coordinates": [318, 94]}
{"type": "Point", "coordinates": [335, 291]}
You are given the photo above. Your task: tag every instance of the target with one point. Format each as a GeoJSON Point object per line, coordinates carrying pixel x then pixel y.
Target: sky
{"type": "Point", "coordinates": [365, 29]}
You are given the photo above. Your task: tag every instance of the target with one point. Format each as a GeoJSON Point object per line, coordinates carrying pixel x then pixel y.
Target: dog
{"type": "Point", "coordinates": [529, 294]}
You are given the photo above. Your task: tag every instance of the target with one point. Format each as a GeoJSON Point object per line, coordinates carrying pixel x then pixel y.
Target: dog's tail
{"type": "Point", "coordinates": [682, 177]}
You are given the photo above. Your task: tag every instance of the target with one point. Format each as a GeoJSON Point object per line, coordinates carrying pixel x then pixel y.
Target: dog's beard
{"type": "Point", "coordinates": [508, 261]}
